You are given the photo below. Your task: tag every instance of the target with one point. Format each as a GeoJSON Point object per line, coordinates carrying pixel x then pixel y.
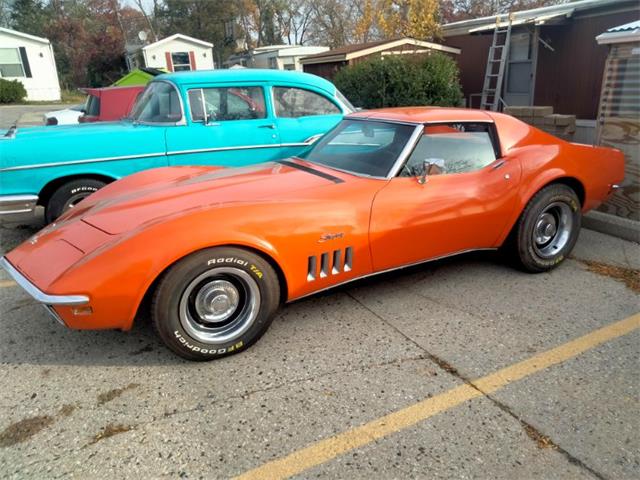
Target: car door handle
{"type": "Point", "coordinates": [270, 125]}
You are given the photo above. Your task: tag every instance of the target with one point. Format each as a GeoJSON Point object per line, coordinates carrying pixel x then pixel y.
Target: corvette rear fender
{"type": "Point", "coordinates": [528, 193]}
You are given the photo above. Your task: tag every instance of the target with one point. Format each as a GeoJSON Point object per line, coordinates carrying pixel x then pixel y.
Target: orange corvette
{"type": "Point", "coordinates": [217, 250]}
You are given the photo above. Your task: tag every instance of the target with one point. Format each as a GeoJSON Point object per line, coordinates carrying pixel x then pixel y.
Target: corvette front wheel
{"type": "Point", "coordinates": [215, 302]}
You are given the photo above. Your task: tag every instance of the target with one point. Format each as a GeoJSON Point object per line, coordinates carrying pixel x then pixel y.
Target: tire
{"type": "Point", "coordinates": [548, 229]}
{"type": "Point", "coordinates": [215, 303]}
{"type": "Point", "coordinates": [69, 195]}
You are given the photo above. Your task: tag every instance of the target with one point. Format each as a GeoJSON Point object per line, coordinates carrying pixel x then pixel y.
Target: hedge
{"type": "Point", "coordinates": [11, 91]}
{"type": "Point", "coordinates": [401, 80]}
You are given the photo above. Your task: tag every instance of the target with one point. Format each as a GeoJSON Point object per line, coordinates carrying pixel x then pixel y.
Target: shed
{"type": "Point", "coordinates": [327, 64]}
{"type": "Point", "coordinates": [139, 76]}
{"type": "Point", "coordinates": [553, 59]}
{"type": "Point", "coordinates": [30, 60]}
{"type": "Point", "coordinates": [619, 116]}
{"type": "Point", "coordinates": [179, 53]}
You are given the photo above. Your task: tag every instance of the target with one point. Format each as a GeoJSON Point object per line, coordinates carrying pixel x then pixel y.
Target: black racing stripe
{"type": "Point", "coordinates": [310, 170]}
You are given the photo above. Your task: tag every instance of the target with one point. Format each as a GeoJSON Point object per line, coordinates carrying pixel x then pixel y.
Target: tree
{"type": "Point", "coordinates": [28, 16]}
{"type": "Point", "coordinates": [366, 24]}
{"type": "Point", "coordinates": [409, 18]}
{"type": "Point", "coordinates": [456, 10]}
{"type": "Point", "coordinates": [333, 22]}
{"type": "Point", "coordinates": [5, 13]}
{"type": "Point", "coordinates": [203, 19]}
{"type": "Point", "coordinates": [295, 21]}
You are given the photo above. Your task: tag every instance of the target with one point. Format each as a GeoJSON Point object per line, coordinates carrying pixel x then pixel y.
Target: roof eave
{"type": "Point", "coordinates": [618, 37]}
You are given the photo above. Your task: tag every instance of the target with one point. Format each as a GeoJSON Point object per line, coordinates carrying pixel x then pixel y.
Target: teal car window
{"type": "Point", "coordinates": [452, 148]}
{"type": "Point", "coordinates": [291, 102]}
{"type": "Point", "coordinates": [223, 104]}
{"type": "Point", "coordinates": [361, 147]}
{"type": "Point", "coordinates": [159, 103]}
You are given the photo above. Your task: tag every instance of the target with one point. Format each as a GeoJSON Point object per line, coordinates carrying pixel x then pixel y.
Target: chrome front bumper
{"type": "Point", "coordinates": [12, 204]}
{"type": "Point", "coordinates": [38, 294]}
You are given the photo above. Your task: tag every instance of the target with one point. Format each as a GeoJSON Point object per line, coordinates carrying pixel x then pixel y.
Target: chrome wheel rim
{"type": "Point", "coordinates": [74, 200]}
{"type": "Point", "coordinates": [552, 229]}
{"type": "Point", "coordinates": [219, 305]}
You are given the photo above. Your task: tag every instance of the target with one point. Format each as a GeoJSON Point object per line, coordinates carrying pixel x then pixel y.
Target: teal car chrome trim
{"type": "Point", "coordinates": [38, 294]}
{"type": "Point", "coordinates": [244, 147]}
{"type": "Point", "coordinates": [147, 155]}
{"type": "Point", "coordinates": [10, 204]}
{"type": "Point", "coordinates": [76, 162]}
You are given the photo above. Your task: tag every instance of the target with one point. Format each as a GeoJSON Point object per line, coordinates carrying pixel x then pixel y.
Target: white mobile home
{"type": "Point", "coordinates": [178, 53]}
{"type": "Point", "coordinates": [29, 59]}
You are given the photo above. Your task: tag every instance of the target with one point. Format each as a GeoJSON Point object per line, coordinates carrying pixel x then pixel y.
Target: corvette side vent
{"type": "Point", "coordinates": [324, 265]}
{"type": "Point", "coordinates": [311, 272]}
{"type": "Point", "coordinates": [330, 263]}
{"type": "Point", "coordinates": [348, 259]}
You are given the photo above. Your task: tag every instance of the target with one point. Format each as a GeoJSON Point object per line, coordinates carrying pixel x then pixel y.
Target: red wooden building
{"type": "Point", "coordinates": [553, 59]}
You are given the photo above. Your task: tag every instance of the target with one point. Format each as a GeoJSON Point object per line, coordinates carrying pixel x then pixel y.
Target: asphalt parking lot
{"type": "Point", "coordinates": [23, 115]}
{"type": "Point", "coordinates": [462, 368]}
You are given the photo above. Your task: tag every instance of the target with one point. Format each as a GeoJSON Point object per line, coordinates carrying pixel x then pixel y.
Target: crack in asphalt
{"type": "Point", "coordinates": [531, 431]}
{"type": "Point", "coordinates": [200, 407]}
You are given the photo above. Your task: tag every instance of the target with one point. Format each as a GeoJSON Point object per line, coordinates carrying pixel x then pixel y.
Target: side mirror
{"type": "Point", "coordinates": [430, 166]}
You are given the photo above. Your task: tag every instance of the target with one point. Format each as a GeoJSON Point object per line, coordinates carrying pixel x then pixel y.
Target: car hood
{"type": "Point", "coordinates": [156, 195]}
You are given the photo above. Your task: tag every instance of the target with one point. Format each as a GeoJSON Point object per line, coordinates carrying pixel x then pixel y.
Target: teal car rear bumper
{"type": "Point", "coordinates": [15, 204]}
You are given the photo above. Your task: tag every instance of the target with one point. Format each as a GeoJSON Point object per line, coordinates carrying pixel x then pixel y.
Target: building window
{"type": "Point", "coordinates": [11, 63]}
{"type": "Point", "coordinates": [273, 63]}
{"type": "Point", "coordinates": [180, 61]}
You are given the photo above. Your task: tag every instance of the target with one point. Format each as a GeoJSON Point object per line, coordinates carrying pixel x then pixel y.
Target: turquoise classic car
{"type": "Point", "coordinates": [221, 117]}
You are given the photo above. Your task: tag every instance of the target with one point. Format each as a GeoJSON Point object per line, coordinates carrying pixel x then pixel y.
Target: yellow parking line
{"type": "Point", "coordinates": [329, 448]}
{"type": "Point", "coordinates": [7, 283]}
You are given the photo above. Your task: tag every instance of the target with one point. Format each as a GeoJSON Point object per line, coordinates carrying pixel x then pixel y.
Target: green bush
{"type": "Point", "coordinates": [401, 80]}
{"type": "Point", "coordinates": [11, 91]}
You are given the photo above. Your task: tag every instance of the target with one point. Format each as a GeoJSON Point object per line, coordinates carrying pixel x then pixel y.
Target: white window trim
{"type": "Point", "coordinates": [174, 65]}
{"type": "Point", "coordinates": [17, 49]}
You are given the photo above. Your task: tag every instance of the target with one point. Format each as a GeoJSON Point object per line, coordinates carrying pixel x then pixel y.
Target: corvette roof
{"type": "Point", "coordinates": [424, 115]}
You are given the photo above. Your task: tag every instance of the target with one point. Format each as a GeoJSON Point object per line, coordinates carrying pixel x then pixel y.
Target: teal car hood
{"type": "Point", "coordinates": [33, 146]}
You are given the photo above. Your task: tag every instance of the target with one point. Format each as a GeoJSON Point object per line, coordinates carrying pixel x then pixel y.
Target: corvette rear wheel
{"type": "Point", "coordinates": [548, 228]}
{"type": "Point", "coordinates": [215, 302]}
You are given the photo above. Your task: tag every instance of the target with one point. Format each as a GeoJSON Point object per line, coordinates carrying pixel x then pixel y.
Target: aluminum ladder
{"type": "Point", "coordinates": [498, 55]}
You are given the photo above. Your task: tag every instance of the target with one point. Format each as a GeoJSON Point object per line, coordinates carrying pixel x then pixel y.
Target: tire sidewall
{"type": "Point", "coordinates": [528, 255]}
{"type": "Point", "coordinates": [55, 206]}
{"type": "Point", "coordinates": [166, 305]}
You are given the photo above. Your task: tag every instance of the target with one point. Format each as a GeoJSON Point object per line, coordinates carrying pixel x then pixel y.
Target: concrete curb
{"type": "Point", "coordinates": [612, 225]}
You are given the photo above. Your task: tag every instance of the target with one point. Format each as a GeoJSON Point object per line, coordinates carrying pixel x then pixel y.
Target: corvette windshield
{"type": "Point", "coordinates": [363, 147]}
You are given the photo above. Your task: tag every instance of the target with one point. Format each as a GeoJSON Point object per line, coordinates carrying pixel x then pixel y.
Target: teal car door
{"type": "Point", "coordinates": [302, 116]}
{"type": "Point", "coordinates": [227, 125]}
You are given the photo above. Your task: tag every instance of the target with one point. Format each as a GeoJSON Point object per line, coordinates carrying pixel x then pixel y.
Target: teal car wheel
{"type": "Point", "coordinates": [69, 195]}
